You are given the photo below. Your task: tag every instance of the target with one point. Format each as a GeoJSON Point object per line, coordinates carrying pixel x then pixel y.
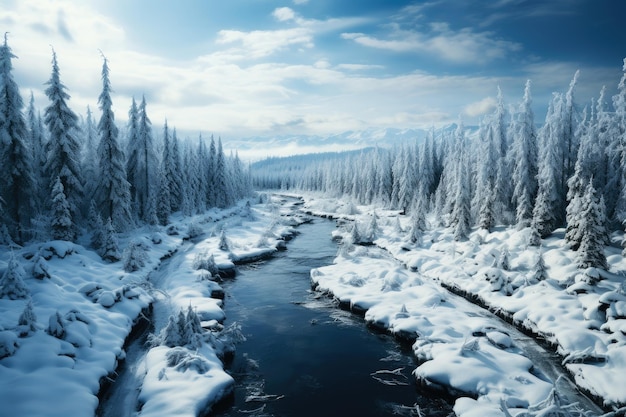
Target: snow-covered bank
{"type": "Point", "coordinates": [580, 312]}
{"type": "Point", "coordinates": [62, 333]}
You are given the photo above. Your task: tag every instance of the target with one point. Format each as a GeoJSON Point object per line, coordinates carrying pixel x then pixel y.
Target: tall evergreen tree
{"type": "Point", "coordinates": [90, 156]}
{"type": "Point", "coordinates": [113, 190]}
{"type": "Point", "coordinates": [592, 230]}
{"type": "Point", "coordinates": [18, 187]}
{"type": "Point", "coordinates": [222, 193]}
{"type": "Point", "coordinates": [61, 222]}
{"type": "Point", "coordinates": [486, 178]}
{"type": "Point", "coordinates": [142, 164]}
{"type": "Point", "coordinates": [38, 145]}
{"type": "Point", "coordinates": [63, 148]}
{"type": "Point", "coordinates": [549, 210]}
{"type": "Point", "coordinates": [525, 161]}
{"type": "Point", "coordinates": [171, 170]}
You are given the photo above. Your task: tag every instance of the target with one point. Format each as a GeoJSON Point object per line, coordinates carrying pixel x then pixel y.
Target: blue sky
{"type": "Point", "coordinates": [242, 68]}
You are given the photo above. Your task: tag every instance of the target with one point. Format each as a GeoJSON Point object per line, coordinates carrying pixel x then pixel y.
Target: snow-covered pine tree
{"type": "Point", "coordinates": [619, 149]}
{"type": "Point", "coordinates": [38, 143]}
{"type": "Point", "coordinates": [164, 208]}
{"type": "Point", "coordinates": [141, 165]}
{"type": "Point", "coordinates": [170, 165]}
{"type": "Point", "coordinates": [211, 167]}
{"type": "Point", "coordinates": [221, 183]}
{"type": "Point", "coordinates": [171, 336]}
{"type": "Point", "coordinates": [110, 249]}
{"type": "Point", "coordinates": [460, 218]}
{"type": "Point", "coordinates": [587, 163]}
{"type": "Point", "coordinates": [56, 326]}
{"type": "Point", "coordinates": [89, 160]}
{"type": "Point", "coordinates": [202, 158]}
{"type": "Point", "coordinates": [12, 284]}
{"type": "Point", "coordinates": [18, 188]}
{"type": "Point", "coordinates": [547, 213]}
{"type": "Point", "coordinates": [27, 322]}
{"type": "Point", "coordinates": [592, 230]}
{"type": "Point", "coordinates": [486, 177]}
{"type": "Point", "coordinates": [134, 257]}
{"type": "Point", "coordinates": [113, 190]}
{"type": "Point", "coordinates": [61, 223]}
{"type": "Point", "coordinates": [96, 225]}
{"type": "Point", "coordinates": [502, 185]}
{"type": "Point", "coordinates": [525, 160]}
{"type": "Point", "coordinates": [63, 147]}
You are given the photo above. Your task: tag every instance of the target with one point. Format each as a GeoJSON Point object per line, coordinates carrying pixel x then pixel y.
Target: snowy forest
{"type": "Point", "coordinates": [569, 172]}
{"type": "Point", "coordinates": [64, 174]}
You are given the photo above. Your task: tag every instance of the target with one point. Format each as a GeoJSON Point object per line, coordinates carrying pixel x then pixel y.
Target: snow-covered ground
{"type": "Point", "coordinates": [75, 321]}
{"type": "Point", "coordinates": [86, 308]}
{"type": "Point", "coordinates": [581, 313]}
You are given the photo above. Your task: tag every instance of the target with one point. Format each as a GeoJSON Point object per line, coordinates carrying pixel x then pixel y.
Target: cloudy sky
{"type": "Point", "coordinates": [240, 68]}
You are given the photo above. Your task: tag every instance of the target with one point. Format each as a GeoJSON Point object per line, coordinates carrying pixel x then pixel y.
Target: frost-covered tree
{"type": "Point", "coordinates": [171, 169]}
{"type": "Point", "coordinates": [27, 322]}
{"type": "Point", "coordinates": [61, 223]}
{"type": "Point", "coordinates": [592, 230]}
{"type": "Point", "coordinates": [525, 161]}
{"type": "Point", "coordinates": [460, 218]}
{"type": "Point", "coordinates": [37, 141]}
{"type": "Point", "coordinates": [170, 335]}
{"type": "Point", "coordinates": [141, 165]}
{"type": "Point", "coordinates": [113, 190]}
{"type": "Point", "coordinates": [57, 326]}
{"type": "Point", "coordinates": [486, 178]}
{"type": "Point", "coordinates": [499, 124]}
{"type": "Point", "coordinates": [17, 188]}
{"type": "Point", "coordinates": [63, 147]}
{"type": "Point", "coordinates": [134, 257]}
{"type": "Point", "coordinates": [12, 284]}
{"type": "Point", "coordinates": [110, 249]}
{"type": "Point", "coordinates": [618, 147]}
{"type": "Point", "coordinates": [89, 160]}
{"type": "Point", "coordinates": [549, 204]}
{"type": "Point", "coordinates": [221, 182]}
{"type": "Point", "coordinates": [164, 207]}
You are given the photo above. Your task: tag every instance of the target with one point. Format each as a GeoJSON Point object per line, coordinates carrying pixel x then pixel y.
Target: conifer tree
{"type": "Point", "coordinates": [27, 321]}
{"type": "Point", "coordinates": [37, 142]}
{"type": "Point", "coordinates": [549, 208]}
{"type": "Point", "coordinates": [110, 249]}
{"type": "Point", "coordinates": [61, 222]}
{"type": "Point", "coordinates": [171, 170]}
{"type": "Point", "coordinates": [222, 192]}
{"type": "Point", "coordinates": [12, 284]}
{"type": "Point", "coordinates": [90, 156]}
{"type": "Point", "coordinates": [525, 161]}
{"type": "Point", "coordinates": [63, 148]}
{"type": "Point", "coordinates": [163, 208]}
{"type": "Point", "coordinates": [18, 187]}
{"type": "Point", "coordinates": [487, 172]}
{"type": "Point", "coordinates": [592, 230]}
{"type": "Point", "coordinates": [113, 190]}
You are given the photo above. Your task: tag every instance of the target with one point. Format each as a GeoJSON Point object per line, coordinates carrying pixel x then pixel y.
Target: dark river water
{"type": "Point", "coordinates": [305, 357]}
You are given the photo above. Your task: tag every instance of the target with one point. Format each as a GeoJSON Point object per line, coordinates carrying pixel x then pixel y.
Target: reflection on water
{"type": "Point", "coordinates": [305, 357]}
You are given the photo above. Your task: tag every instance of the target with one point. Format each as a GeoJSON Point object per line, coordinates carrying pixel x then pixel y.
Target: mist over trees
{"type": "Point", "coordinates": [65, 175]}
{"type": "Point", "coordinates": [569, 173]}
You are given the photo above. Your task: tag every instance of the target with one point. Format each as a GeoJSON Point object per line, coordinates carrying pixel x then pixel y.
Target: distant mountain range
{"type": "Point", "coordinates": [260, 147]}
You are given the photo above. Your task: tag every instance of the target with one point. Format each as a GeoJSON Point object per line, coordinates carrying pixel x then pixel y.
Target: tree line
{"type": "Point", "coordinates": [62, 174]}
{"type": "Point", "coordinates": [569, 173]}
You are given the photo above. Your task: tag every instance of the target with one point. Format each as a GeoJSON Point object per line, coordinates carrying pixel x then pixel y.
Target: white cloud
{"type": "Point", "coordinates": [462, 46]}
{"type": "Point", "coordinates": [283, 14]}
{"type": "Point", "coordinates": [262, 43]}
{"type": "Point", "coordinates": [480, 108]}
